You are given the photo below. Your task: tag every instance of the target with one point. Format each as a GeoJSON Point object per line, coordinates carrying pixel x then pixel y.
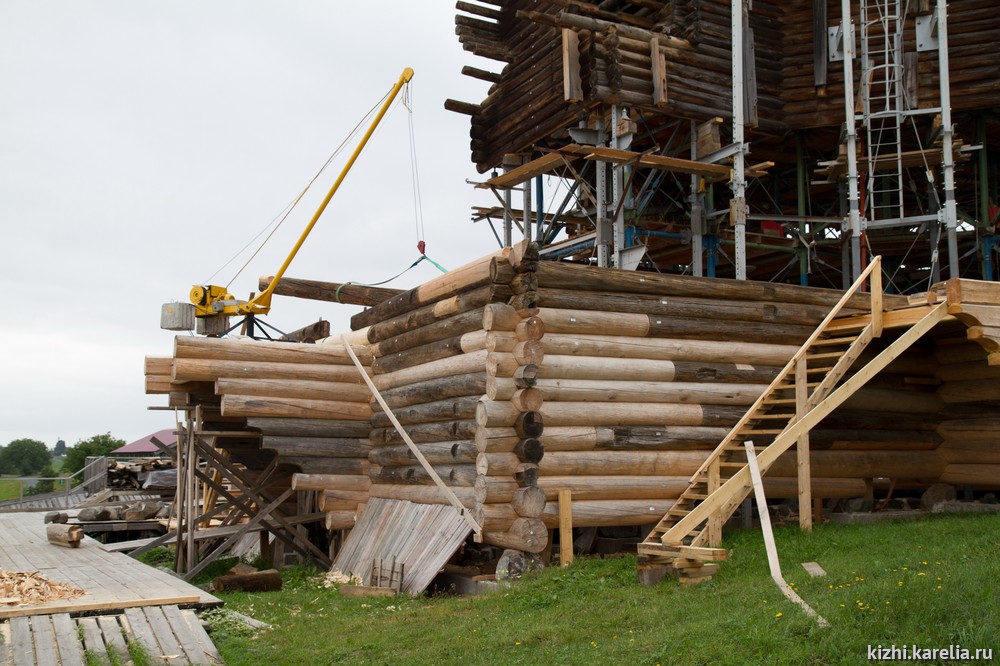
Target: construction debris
{"type": "Point", "coordinates": [28, 588]}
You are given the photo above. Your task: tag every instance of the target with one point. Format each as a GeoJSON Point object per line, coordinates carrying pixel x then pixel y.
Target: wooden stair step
{"type": "Point", "coordinates": [843, 340]}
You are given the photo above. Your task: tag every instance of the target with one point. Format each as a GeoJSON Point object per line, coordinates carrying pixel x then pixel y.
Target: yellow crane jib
{"type": "Point", "coordinates": [213, 301]}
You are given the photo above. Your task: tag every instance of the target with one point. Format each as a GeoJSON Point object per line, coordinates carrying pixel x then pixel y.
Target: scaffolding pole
{"type": "Point", "coordinates": [738, 208]}
{"type": "Point", "coordinates": [853, 225]}
{"type": "Point", "coordinates": [947, 158]}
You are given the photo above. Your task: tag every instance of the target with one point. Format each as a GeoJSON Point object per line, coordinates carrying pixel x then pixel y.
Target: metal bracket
{"type": "Point", "coordinates": [927, 33]}
{"type": "Point", "coordinates": [835, 42]}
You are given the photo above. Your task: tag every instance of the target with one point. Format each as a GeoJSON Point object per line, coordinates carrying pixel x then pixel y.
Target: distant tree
{"type": "Point", "coordinates": [59, 449]}
{"type": "Point", "coordinates": [42, 487]}
{"type": "Point", "coordinates": [23, 457]}
{"type": "Point", "coordinates": [98, 445]}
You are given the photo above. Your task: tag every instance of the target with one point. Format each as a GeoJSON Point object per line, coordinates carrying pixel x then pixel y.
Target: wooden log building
{"type": "Point", "coordinates": [537, 370]}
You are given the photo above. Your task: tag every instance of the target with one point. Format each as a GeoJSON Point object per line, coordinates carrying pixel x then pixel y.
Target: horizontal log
{"type": "Point", "coordinates": [289, 388]}
{"type": "Point", "coordinates": [452, 475]}
{"type": "Point", "coordinates": [289, 427]}
{"type": "Point", "coordinates": [655, 326]}
{"type": "Point", "coordinates": [610, 513]}
{"type": "Point", "coordinates": [973, 430]}
{"type": "Point", "coordinates": [331, 447]}
{"type": "Point", "coordinates": [528, 502]}
{"type": "Point", "coordinates": [452, 409]}
{"type": "Point", "coordinates": [975, 390]}
{"type": "Point", "coordinates": [598, 463]}
{"type": "Point", "coordinates": [341, 500]}
{"type": "Point", "coordinates": [428, 314]}
{"type": "Point", "coordinates": [783, 487]}
{"type": "Point", "coordinates": [462, 364]}
{"type": "Point", "coordinates": [595, 390]}
{"type": "Point", "coordinates": [426, 432]}
{"type": "Point", "coordinates": [340, 520]}
{"type": "Point", "coordinates": [683, 306]}
{"type": "Point", "coordinates": [436, 453]}
{"type": "Point", "coordinates": [972, 451]}
{"type": "Point", "coordinates": [465, 343]}
{"type": "Point", "coordinates": [210, 370]}
{"type": "Point", "coordinates": [241, 405]}
{"type": "Point", "coordinates": [865, 464]}
{"type": "Point", "coordinates": [667, 349]}
{"type": "Point", "coordinates": [424, 494]}
{"type": "Point", "coordinates": [979, 476]}
{"type": "Point", "coordinates": [258, 581]}
{"type": "Point", "coordinates": [330, 482]}
{"type": "Point", "coordinates": [637, 414]}
{"type": "Point", "coordinates": [324, 465]}
{"type": "Point", "coordinates": [333, 292]}
{"type": "Point", "coordinates": [560, 275]}
{"type": "Point", "coordinates": [608, 369]}
{"type": "Point", "coordinates": [441, 329]}
{"type": "Point", "coordinates": [454, 386]}
{"type": "Point", "coordinates": [528, 535]}
{"type": "Point", "coordinates": [247, 350]}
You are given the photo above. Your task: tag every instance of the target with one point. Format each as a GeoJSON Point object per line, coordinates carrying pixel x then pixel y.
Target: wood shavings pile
{"type": "Point", "coordinates": [25, 589]}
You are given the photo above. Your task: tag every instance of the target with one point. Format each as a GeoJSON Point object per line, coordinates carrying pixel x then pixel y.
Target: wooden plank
{"type": "Point", "coordinates": [205, 647]}
{"type": "Point", "coordinates": [138, 631]}
{"type": "Point", "coordinates": [802, 447]}
{"type": "Point", "coordinates": [572, 84]}
{"type": "Point", "coordinates": [43, 637]}
{"type": "Point", "coordinates": [662, 162]}
{"type": "Point", "coordinates": [191, 647]}
{"type": "Point", "coordinates": [524, 173]}
{"type": "Point", "coordinates": [107, 604]}
{"type": "Point", "coordinates": [70, 648]}
{"type": "Point", "coordinates": [170, 647]}
{"type": "Point", "coordinates": [565, 527]}
{"type": "Point", "coordinates": [20, 640]}
{"type": "Point", "coordinates": [93, 641]}
{"type": "Point", "coordinates": [113, 633]}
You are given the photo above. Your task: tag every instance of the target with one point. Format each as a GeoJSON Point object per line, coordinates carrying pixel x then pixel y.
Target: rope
{"type": "Point", "coordinates": [423, 257]}
{"type": "Point", "coordinates": [283, 215]}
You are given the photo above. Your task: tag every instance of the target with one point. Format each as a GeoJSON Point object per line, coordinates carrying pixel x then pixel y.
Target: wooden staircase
{"type": "Point", "coordinates": [807, 389]}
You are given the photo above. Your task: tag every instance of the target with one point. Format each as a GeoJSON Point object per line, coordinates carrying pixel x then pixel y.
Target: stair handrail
{"type": "Point", "coordinates": [790, 366]}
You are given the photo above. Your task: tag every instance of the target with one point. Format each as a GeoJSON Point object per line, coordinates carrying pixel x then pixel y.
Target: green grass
{"type": "Point", "coordinates": [9, 489]}
{"type": "Point", "coordinates": [929, 583]}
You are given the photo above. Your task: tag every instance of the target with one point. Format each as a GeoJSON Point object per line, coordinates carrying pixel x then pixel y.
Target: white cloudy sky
{"type": "Point", "coordinates": [142, 143]}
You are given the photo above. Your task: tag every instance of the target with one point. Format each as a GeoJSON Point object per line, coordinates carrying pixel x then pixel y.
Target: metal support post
{"type": "Point", "coordinates": [947, 158]}
{"type": "Point", "coordinates": [802, 184]}
{"type": "Point", "coordinates": [712, 250]}
{"type": "Point", "coordinates": [854, 211]}
{"type": "Point", "coordinates": [526, 208]}
{"type": "Point", "coordinates": [697, 211]}
{"type": "Point", "coordinates": [604, 231]}
{"type": "Point", "coordinates": [539, 209]}
{"type": "Point", "coordinates": [738, 207]}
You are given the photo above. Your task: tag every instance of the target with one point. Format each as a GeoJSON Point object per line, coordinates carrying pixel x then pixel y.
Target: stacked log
{"type": "Point", "coordinates": [307, 401]}
{"type": "Point", "coordinates": [970, 441]}
{"type": "Point", "coordinates": [454, 361]}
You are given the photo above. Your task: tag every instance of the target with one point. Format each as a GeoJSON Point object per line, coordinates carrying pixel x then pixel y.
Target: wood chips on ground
{"type": "Point", "coordinates": [28, 588]}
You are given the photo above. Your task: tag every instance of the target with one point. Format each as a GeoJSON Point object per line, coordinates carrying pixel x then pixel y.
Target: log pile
{"type": "Point", "coordinates": [307, 402]}
{"type": "Point", "coordinates": [455, 361]}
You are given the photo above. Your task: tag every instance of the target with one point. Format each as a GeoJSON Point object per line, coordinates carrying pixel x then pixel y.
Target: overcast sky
{"type": "Point", "coordinates": [143, 143]}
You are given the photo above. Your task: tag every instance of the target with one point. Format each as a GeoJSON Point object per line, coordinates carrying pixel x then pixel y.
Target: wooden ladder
{"type": "Point", "coordinates": [804, 392]}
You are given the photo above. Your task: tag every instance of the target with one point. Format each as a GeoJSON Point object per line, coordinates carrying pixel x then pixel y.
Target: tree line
{"type": "Point", "coordinates": [31, 457]}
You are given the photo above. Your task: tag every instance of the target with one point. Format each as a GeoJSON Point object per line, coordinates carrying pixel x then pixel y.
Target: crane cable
{"type": "Point", "coordinates": [280, 218]}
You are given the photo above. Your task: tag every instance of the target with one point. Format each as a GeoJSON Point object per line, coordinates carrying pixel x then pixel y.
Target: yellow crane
{"type": "Point", "coordinates": [213, 301]}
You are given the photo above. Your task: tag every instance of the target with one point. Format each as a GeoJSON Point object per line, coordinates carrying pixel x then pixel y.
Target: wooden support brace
{"type": "Point", "coordinates": [565, 527]}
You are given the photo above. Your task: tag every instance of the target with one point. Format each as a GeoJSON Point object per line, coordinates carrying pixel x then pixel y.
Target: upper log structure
{"type": "Point", "coordinates": [561, 59]}
{"type": "Point", "coordinates": [561, 69]}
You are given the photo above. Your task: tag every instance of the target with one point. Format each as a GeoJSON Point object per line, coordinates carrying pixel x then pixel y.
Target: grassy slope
{"type": "Point", "coordinates": [9, 489]}
{"type": "Point", "coordinates": [931, 583]}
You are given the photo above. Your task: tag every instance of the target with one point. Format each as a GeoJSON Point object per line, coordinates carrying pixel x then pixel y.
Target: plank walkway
{"type": "Point", "coordinates": [165, 634]}
{"type": "Point", "coordinates": [112, 581]}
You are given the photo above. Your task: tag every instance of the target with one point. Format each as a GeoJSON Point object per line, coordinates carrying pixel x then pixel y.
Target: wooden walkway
{"type": "Point", "coordinates": [165, 635]}
{"type": "Point", "coordinates": [125, 600]}
{"type": "Point", "coordinates": [112, 581]}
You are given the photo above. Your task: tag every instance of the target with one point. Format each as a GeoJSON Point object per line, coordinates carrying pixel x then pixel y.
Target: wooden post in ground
{"type": "Point", "coordinates": [802, 447]}
{"type": "Point", "coordinates": [565, 527]}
